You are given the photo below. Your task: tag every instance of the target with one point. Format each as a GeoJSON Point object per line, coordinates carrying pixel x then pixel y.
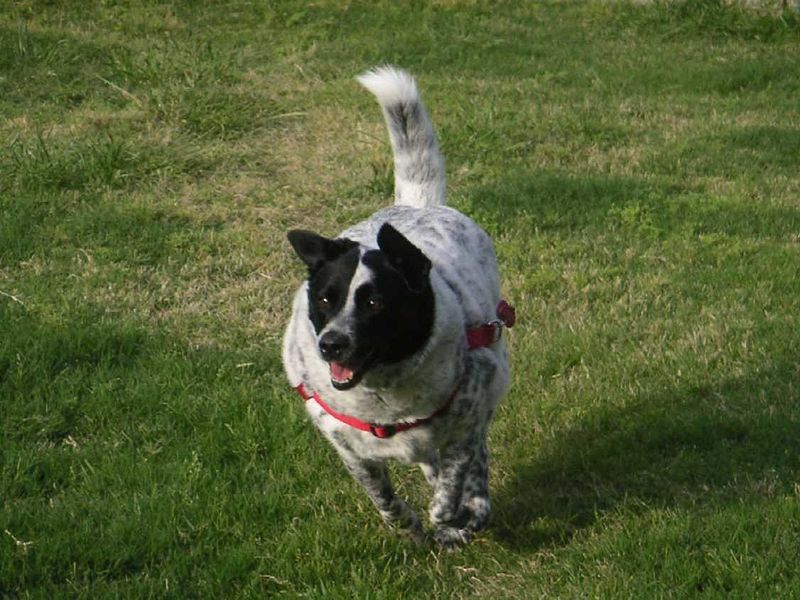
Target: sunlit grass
{"type": "Point", "coordinates": [637, 167]}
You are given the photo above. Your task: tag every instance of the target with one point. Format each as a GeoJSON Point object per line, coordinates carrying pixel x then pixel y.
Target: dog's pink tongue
{"type": "Point", "coordinates": [340, 372]}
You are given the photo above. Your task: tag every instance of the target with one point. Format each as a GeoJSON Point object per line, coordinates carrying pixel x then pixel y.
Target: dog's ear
{"type": "Point", "coordinates": [405, 257]}
{"type": "Point", "coordinates": [314, 250]}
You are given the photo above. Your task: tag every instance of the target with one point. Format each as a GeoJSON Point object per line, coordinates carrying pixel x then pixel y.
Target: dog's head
{"type": "Point", "coordinates": [368, 307]}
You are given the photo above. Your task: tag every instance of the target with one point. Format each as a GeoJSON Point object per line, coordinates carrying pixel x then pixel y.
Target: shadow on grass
{"type": "Point", "coordinates": [557, 201]}
{"type": "Point", "coordinates": [48, 369]}
{"type": "Point", "coordinates": [639, 211]}
{"type": "Point", "coordinates": [734, 153]}
{"type": "Point", "coordinates": [740, 437]}
{"type": "Point", "coordinates": [681, 442]}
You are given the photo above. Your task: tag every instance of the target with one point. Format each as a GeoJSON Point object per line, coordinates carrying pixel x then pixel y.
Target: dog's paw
{"type": "Point", "coordinates": [445, 510]}
{"type": "Point", "coordinates": [452, 538]}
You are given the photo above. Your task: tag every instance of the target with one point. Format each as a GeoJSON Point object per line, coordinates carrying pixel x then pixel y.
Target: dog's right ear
{"type": "Point", "coordinates": [314, 250]}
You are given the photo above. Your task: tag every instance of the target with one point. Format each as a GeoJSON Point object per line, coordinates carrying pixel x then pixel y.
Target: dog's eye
{"type": "Point", "coordinates": [375, 305]}
{"type": "Point", "coordinates": [323, 302]}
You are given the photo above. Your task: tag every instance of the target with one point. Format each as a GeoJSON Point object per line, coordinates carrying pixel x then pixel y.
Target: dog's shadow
{"type": "Point", "coordinates": [690, 445]}
{"type": "Point", "coordinates": [674, 443]}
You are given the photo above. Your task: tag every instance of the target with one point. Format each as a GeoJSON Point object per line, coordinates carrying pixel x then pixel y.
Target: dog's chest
{"type": "Point", "coordinates": [471, 404]}
{"type": "Point", "coordinates": [418, 445]}
{"type": "Point", "coordinates": [408, 447]}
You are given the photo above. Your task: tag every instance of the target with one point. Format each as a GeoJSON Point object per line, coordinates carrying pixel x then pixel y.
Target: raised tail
{"type": "Point", "coordinates": [419, 177]}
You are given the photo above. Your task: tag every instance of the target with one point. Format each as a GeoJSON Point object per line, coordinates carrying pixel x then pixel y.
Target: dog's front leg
{"type": "Point", "coordinates": [374, 476]}
{"type": "Point", "coordinates": [461, 504]}
{"type": "Point", "coordinates": [446, 510]}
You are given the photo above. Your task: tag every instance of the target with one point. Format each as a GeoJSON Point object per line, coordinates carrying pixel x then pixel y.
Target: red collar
{"type": "Point", "coordinates": [477, 337]}
{"type": "Point", "coordinates": [379, 431]}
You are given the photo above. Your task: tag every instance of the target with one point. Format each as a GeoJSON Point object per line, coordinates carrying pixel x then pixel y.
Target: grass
{"type": "Point", "coordinates": [637, 167]}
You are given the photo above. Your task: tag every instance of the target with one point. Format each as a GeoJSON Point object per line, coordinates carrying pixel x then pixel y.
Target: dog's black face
{"type": "Point", "coordinates": [366, 310]}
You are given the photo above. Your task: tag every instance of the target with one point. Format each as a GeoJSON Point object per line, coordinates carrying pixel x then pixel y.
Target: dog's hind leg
{"type": "Point", "coordinates": [374, 477]}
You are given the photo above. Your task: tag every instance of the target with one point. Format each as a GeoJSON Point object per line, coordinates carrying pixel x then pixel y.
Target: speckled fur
{"type": "Point", "coordinates": [451, 450]}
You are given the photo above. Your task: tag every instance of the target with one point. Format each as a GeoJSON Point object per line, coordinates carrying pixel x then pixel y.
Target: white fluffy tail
{"type": "Point", "coordinates": [419, 177]}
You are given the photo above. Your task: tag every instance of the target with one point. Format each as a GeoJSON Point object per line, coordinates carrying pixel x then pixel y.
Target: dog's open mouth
{"type": "Point", "coordinates": [343, 377]}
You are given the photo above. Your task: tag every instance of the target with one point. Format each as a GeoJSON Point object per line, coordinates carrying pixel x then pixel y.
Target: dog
{"type": "Point", "coordinates": [394, 339]}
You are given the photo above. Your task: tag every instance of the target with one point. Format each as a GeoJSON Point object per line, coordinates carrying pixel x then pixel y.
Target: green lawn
{"type": "Point", "coordinates": [638, 167]}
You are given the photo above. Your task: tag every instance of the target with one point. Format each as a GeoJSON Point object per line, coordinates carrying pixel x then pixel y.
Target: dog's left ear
{"type": "Point", "coordinates": [405, 257]}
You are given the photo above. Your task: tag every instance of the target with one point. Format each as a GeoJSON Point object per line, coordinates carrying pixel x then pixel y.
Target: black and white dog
{"type": "Point", "coordinates": [394, 340]}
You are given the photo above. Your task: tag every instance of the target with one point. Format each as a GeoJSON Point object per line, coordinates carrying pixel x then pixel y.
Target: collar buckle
{"type": "Point", "coordinates": [497, 325]}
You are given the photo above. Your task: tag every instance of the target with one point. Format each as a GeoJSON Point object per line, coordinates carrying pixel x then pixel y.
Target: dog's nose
{"type": "Point", "coordinates": [334, 345]}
